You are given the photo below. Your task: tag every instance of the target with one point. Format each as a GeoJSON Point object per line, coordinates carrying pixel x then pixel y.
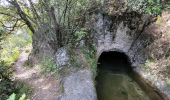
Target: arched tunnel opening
{"type": "Point", "coordinates": [114, 61]}
{"type": "Point", "coordinates": [113, 81]}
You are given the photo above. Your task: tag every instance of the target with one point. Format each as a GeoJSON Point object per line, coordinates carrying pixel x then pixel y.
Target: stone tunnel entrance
{"type": "Point", "coordinates": [114, 61]}
{"type": "Point", "coordinates": [113, 81]}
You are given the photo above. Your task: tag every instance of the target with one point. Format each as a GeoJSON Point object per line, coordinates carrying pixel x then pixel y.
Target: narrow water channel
{"type": "Point", "coordinates": [113, 81]}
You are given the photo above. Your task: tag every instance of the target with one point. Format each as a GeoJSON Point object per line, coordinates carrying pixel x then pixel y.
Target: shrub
{"type": "Point", "coordinates": [91, 59]}
{"type": "Point", "coordinates": [9, 57]}
{"type": "Point", "coordinates": [13, 97]}
{"type": "Point", "coordinates": [156, 7]}
{"type": "Point", "coordinates": [80, 34]}
{"type": "Point", "coordinates": [6, 85]}
{"type": "Point", "coordinates": [22, 87]}
{"type": "Point", "coordinates": [49, 66]}
{"type": "Point", "coordinates": [153, 7]}
{"type": "Point", "coordinates": [10, 46]}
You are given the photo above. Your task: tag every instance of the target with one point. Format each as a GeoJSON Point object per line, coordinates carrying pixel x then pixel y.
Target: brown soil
{"type": "Point", "coordinates": [44, 87]}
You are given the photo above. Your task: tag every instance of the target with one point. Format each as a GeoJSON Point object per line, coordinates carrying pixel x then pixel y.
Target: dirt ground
{"type": "Point", "coordinates": [45, 87]}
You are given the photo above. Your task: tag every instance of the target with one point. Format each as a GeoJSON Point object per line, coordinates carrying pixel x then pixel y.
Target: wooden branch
{"type": "Point", "coordinates": [63, 15]}
{"type": "Point", "coordinates": [34, 10]}
{"type": "Point", "coordinates": [57, 28]}
{"type": "Point", "coordinates": [10, 28]}
{"type": "Point", "coordinates": [22, 14]}
{"type": "Point", "coordinates": [65, 11]}
{"type": "Point", "coordinates": [7, 14]}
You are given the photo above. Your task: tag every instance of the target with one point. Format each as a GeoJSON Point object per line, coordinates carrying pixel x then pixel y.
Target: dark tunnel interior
{"type": "Point", "coordinates": [114, 61]}
{"type": "Point", "coordinates": [116, 80]}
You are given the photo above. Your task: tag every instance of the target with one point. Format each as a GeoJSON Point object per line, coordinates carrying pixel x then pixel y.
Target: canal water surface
{"type": "Point", "coordinates": [113, 81]}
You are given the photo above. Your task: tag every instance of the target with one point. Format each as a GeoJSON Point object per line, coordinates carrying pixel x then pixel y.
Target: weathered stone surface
{"type": "Point", "coordinates": [129, 32]}
{"type": "Point", "coordinates": [62, 57]}
{"type": "Point", "coordinates": [79, 86]}
{"type": "Point", "coordinates": [122, 33]}
{"type": "Point", "coordinates": [118, 26]}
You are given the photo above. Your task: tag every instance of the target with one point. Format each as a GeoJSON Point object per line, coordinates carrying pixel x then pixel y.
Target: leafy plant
{"type": "Point", "coordinates": [153, 7]}
{"type": "Point", "coordinates": [6, 85]}
{"type": "Point", "coordinates": [91, 59]}
{"type": "Point", "coordinates": [13, 97]}
{"type": "Point", "coordinates": [80, 34]}
{"type": "Point", "coordinates": [49, 66]}
{"type": "Point", "coordinates": [22, 87]}
{"type": "Point", "coordinates": [10, 46]}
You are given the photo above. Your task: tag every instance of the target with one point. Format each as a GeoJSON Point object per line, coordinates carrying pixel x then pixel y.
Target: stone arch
{"type": "Point", "coordinates": [116, 60]}
{"type": "Point", "coordinates": [153, 93]}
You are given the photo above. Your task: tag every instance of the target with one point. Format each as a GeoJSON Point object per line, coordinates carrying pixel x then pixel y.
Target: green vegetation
{"type": "Point", "coordinates": [53, 24]}
{"type": "Point", "coordinates": [81, 34]}
{"type": "Point", "coordinates": [13, 97]}
{"type": "Point", "coordinates": [6, 84]}
{"type": "Point", "coordinates": [152, 7]}
{"type": "Point", "coordinates": [49, 66]}
{"type": "Point", "coordinates": [22, 87]}
{"type": "Point", "coordinates": [10, 48]}
{"type": "Point", "coordinates": [156, 7]}
{"type": "Point", "coordinates": [75, 61]}
{"type": "Point", "coordinates": [90, 55]}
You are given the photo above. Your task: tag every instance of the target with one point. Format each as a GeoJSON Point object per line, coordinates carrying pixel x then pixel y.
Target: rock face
{"type": "Point", "coordinates": [117, 26]}
{"type": "Point", "coordinates": [122, 33]}
{"type": "Point", "coordinates": [62, 57]}
{"type": "Point", "coordinates": [124, 29]}
{"type": "Point", "coordinates": [79, 86]}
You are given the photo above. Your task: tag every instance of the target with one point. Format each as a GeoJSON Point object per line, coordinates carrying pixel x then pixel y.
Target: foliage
{"type": "Point", "coordinates": [156, 7]}
{"type": "Point", "coordinates": [13, 97]}
{"type": "Point", "coordinates": [80, 34]}
{"type": "Point", "coordinates": [168, 82]}
{"type": "Point", "coordinates": [137, 5]}
{"type": "Point", "coordinates": [74, 59]}
{"type": "Point", "coordinates": [56, 21]}
{"type": "Point", "coordinates": [10, 57]}
{"type": "Point", "coordinates": [91, 59]}
{"type": "Point", "coordinates": [22, 87]}
{"type": "Point", "coordinates": [153, 7]}
{"type": "Point", "coordinates": [6, 85]}
{"type": "Point", "coordinates": [49, 66]}
{"type": "Point", "coordinates": [10, 46]}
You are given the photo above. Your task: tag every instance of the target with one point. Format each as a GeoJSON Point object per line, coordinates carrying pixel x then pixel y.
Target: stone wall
{"type": "Point", "coordinates": [124, 29]}
{"type": "Point", "coordinates": [118, 26]}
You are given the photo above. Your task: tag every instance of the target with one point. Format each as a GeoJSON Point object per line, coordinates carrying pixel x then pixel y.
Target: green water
{"type": "Point", "coordinates": [112, 86]}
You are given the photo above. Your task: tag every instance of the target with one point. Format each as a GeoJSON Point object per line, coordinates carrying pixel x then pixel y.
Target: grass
{"type": "Point", "coordinates": [10, 48]}
{"type": "Point", "coordinates": [74, 59]}
{"type": "Point", "coordinates": [49, 66]}
{"type": "Point", "coordinates": [91, 59]}
{"type": "Point", "coordinates": [22, 88]}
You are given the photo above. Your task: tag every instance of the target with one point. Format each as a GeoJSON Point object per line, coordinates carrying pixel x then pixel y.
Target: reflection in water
{"type": "Point", "coordinates": [113, 81]}
{"type": "Point", "coordinates": [112, 86]}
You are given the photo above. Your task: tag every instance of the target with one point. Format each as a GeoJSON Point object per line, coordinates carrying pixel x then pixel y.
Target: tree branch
{"type": "Point", "coordinates": [7, 14]}
{"type": "Point", "coordinates": [34, 10]}
{"type": "Point", "coordinates": [10, 28]}
{"type": "Point", "coordinates": [22, 14]}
